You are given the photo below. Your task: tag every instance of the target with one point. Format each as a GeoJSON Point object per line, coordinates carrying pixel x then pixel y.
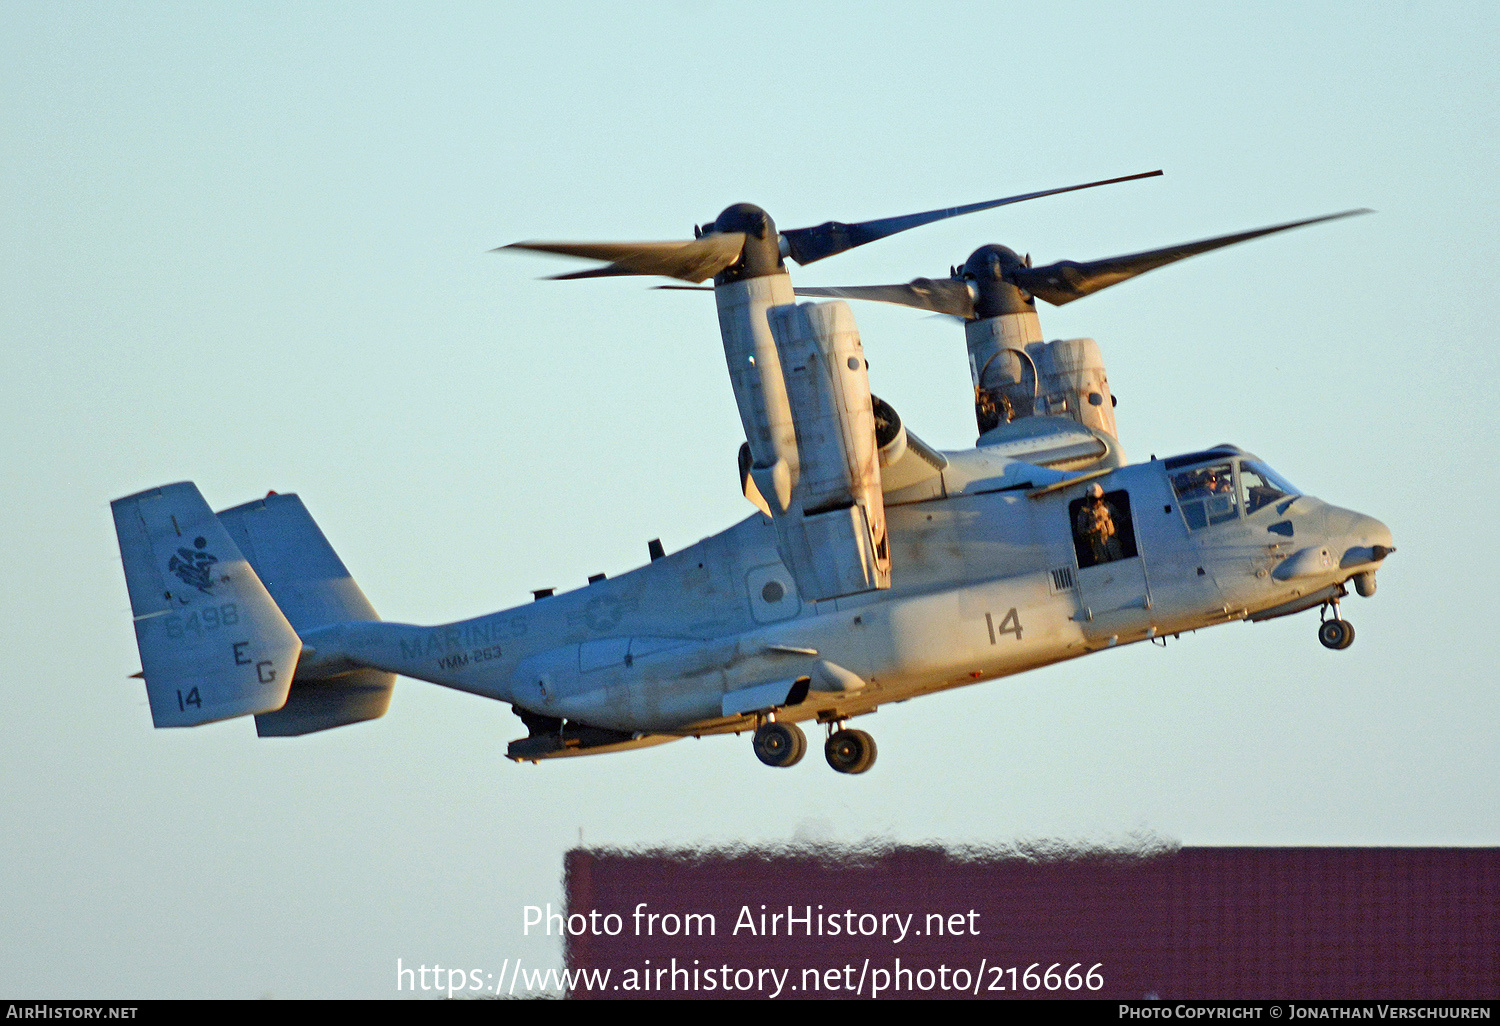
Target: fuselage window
{"type": "Point", "coordinates": [1206, 494]}
{"type": "Point", "coordinates": [1102, 528]}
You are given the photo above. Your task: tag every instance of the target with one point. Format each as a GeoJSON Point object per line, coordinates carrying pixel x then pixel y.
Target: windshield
{"type": "Point", "coordinates": [1261, 485]}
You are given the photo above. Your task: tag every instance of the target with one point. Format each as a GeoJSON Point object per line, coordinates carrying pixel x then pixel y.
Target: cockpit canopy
{"type": "Point", "coordinates": [1223, 484]}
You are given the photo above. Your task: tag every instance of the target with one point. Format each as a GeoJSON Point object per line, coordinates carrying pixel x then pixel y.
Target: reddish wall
{"type": "Point", "coordinates": [1196, 923]}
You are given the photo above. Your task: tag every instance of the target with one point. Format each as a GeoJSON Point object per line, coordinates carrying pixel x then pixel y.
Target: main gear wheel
{"type": "Point", "coordinates": [780, 744]}
{"type": "Point", "coordinates": [850, 751]}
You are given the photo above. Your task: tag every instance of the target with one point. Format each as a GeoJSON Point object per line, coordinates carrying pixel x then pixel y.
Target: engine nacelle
{"type": "Point", "coordinates": [1017, 376]}
{"type": "Point", "coordinates": [832, 533]}
{"type": "Point", "coordinates": [759, 384]}
{"type": "Point", "coordinates": [1065, 378]}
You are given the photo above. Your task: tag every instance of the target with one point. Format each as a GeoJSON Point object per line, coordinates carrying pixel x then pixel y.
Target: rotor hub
{"type": "Point", "coordinates": [989, 270]}
{"type": "Point", "coordinates": [761, 255]}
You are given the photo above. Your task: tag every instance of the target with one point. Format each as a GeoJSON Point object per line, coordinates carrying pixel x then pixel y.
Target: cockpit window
{"type": "Point", "coordinates": [1262, 485]}
{"type": "Point", "coordinates": [1206, 494]}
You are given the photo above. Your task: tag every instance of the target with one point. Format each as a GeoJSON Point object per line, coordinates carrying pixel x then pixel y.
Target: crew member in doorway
{"type": "Point", "coordinates": [1096, 526]}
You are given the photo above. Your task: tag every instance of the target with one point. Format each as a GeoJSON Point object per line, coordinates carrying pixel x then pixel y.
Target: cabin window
{"type": "Point", "coordinates": [1206, 495]}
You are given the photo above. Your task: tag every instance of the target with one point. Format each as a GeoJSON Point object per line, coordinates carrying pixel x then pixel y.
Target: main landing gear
{"type": "Point", "coordinates": [1336, 633]}
{"type": "Point", "coordinates": [784, 744]}
{"type": "Point", "coordinates": [780, 744]}
{"type": "Point", "coordinates": [849, 751]}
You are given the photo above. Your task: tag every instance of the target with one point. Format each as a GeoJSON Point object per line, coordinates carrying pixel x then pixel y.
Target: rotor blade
{"type": "Point", "coordinates": [806, 245]}
{"type": "Point", "coordinates": [940, 295]}
{"type": "Point", "coordinates": [1068, 280]}
{"type": "Point", "coordinates": [691, 260]}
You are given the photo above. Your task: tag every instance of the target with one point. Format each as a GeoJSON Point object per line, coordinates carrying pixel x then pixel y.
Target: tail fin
{"type": "Point", "coordinates": [213, 643]}
{"type": "Point", "coordinates": [313, 589]}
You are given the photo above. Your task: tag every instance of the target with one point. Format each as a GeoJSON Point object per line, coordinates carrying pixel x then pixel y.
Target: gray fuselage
{"type": "Point", "coordinates": [989, 578]}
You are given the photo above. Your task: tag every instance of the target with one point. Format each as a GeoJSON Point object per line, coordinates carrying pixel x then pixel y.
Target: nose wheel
{"type": "Point", "coordinates": [780, 744]}
{"type": "Point", "coordinates": [1337, 633]}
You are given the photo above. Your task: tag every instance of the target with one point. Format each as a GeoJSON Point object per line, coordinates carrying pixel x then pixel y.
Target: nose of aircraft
{"type": "Point", "coordinates": [1367, 540]}
{"type": "Point", "coordinates": [1366, 543]}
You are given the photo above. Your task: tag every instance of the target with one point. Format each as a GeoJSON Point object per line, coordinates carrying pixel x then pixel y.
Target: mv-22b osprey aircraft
{"type": "Point", "coordinates": [875, 570]}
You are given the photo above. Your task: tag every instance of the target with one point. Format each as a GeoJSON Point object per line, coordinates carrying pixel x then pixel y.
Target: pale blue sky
{"type": "Point", "coordinates": [247, 246]}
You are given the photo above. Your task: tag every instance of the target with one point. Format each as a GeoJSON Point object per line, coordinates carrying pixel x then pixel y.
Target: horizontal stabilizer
{"type": "Point", "coordinates": [315, 705]}
{"type": "Point", "coordinates": [213, 644]}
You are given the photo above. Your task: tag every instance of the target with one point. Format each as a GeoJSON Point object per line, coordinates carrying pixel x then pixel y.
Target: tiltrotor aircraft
{"type": "Point", "coordinates": [876, 568]}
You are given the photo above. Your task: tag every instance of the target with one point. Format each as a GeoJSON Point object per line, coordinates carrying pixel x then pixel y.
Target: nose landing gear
{"type": "Point", "coordinates": [1337, 633]}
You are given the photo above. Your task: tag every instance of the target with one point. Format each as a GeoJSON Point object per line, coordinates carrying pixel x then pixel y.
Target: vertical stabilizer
{"type": "Point", "coordinates": [213, 644]}
{"type": "Point", "coordinates": [314, 589]}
